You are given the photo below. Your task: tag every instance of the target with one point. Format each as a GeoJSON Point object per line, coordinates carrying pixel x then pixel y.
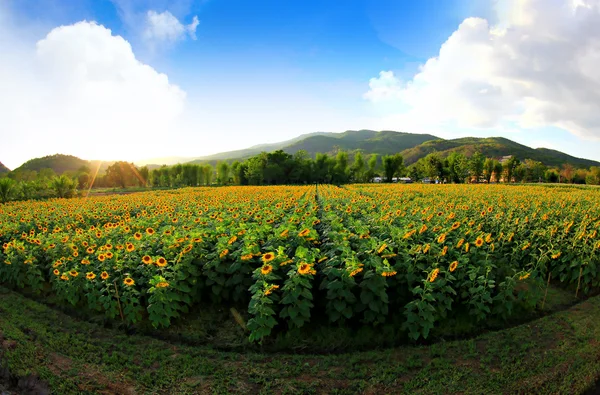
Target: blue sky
{"type": "Point", "coordinates": [269, 70]}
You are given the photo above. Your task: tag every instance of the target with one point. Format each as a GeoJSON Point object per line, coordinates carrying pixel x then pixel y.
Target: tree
{"type": "Point", "coordinates": [488, 169]}
{"type": "Point", "coordinates": [497, 170]}
{"type": "Point", "coordinates": [144, 174]}
{"type": "Point", "coordinates": [63, 186]}
{"type": "Point", "coordinates": [433, 166]}
{"type": "Point", "coordinates": [223, 173]}
{"type": "Point", "coordinates": [567, 172]}
{"type": "Point", "coordinates": [392, 165]}
{"type": "Point", "coordinates": [372, 170]}
{"type": "Point", "coordinates": [121, 174]}
{"type": "Point", "coordinates": [6, 189]}
{"type": "Point", "coordinates": [457, 165]}
{"type": "Point", "coordinates": [255, 168]}
{"type": "Point", "coordinates": [357, 170]}
{"type": "Point", "coordinates": [593, 177]}
{"type": "Point", "coordinates": [509, 168]}
{"type": "Point", "coordinates": [477, 163]}
{"type": "Point", "coordinates": [207, 173]}
{"type": "Point", "coordinates": [340, 169]}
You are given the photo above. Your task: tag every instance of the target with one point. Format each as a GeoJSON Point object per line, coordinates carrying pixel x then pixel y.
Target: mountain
{"type": "Point", "coordinates": [493, 147]}
{"type": "Point", "coordinates": [370, 141]}
{"type": "Point", "coordinates": [62, 163]}
{"type": "Point", "coordinates": [3, 169]}
{"type": "Point", "coordinates": [256, 149]}
{"type": "Point", "coordinates": [59, 163]}
{"type": "Point", "coordinates": [169, 160]}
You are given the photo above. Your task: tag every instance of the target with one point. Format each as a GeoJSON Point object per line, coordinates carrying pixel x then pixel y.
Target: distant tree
{"type": "Point", "coordinates": [6, 189]}
{"type": "Point", "coordinates": [552, 175]}
{"type": "Point", "coordinates": [392, 165]}
{"type": "Point", "coordinates": [567, 172]}
{"type": "Point", "coordinates": [63, 186]}
{"type": "Point", "coordinates": [457, 165]}
{"type": "Point", "coordinates": [593, 176]}
{"type": "Point", "coordinates": [477, 163]}
{"type": "Point", "coordinates": [509, 168]}
{"type": "Point", "coordinates": [302, 165]}
{"type": "Point", "coordinates": [372, 167]}
{"type": "Point", "coordinates": [255, 168]}
{"type": "Point", "coordinates": [208, 172]}
{"type": "Point", "coordinates": [176, 175]}
{"type": "Point", "coordinates": [340, 169]}
{"type": "Point", "coordinates": [144, 175]}
{"type": "Point", "coordinates": [323, 168]}
{"type": "Point", "coordinates": [122, 174]}
{"type": "Point", "coordinates": [497, 170]}
{"type": "Point", "coordinates": [223, 173]}
{"type": "Point", "coordinates": [358, 168]}
{"type": "Point", "coordinates": [488, 169]}
{"type": "Point", "coordinates": [433, 165]}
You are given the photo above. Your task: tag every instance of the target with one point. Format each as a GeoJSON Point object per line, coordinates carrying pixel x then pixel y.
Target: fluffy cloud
{"type": "Point", "coordinates": [164, 27]}
{"type": "Point", "coordinates": [81, 90]}
{"type": "Point", "coordinates": [537, 67]}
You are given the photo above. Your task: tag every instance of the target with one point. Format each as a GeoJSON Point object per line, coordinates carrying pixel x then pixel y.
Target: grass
{"type": "Point", "coordinates": [45, 351]}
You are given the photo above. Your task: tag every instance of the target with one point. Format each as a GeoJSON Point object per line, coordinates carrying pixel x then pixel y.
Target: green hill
{"type": "Point", "coordinates": [3, 169]}
{"type": "Point", "coordinates": [493, 147]}
{"type": "Point", "coordinates": [62, 163]}
{"type": "Point", "coordinates": [369, 141]}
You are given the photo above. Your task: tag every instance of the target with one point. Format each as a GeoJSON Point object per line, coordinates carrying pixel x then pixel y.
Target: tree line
{"type": "Point", "coordinates": [279, 167]}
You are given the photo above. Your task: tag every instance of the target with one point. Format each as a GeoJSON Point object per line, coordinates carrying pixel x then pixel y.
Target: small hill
{"type": "Point", "coordinates": [369, 141]}
{"type": "Point", "coordinates": [255, 150]}
{"type": "Point", "coordinates": [59, 163]}
{"type": "Point", "coordinates": [493, 147]}
{"type": "Point", "coordinates": [3, 169]}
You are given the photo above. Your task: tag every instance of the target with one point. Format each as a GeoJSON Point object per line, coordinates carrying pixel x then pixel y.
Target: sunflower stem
{"type": "Point", "coordinates": [579, 280]}
{"type": "Point", "coordinates": [119, 301]}
{"type": "Point", "coordinates": [546, 294]}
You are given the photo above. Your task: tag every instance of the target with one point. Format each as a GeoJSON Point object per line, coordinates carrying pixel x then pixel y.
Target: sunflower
{"type": "Point", "coordinates": [130, 247]}
{"type": "Point", "coordinates": [409, 234]}
{"type": "Point", "coordinates": [442, 238]}
{"type": "Point", "coordinates": [187, 249]}
{"type": "Point", "coordinates": [162, 284]}
{"type": "Point", "coordinates": [455, 225]}
{"type": "Point", "coordinates": [434, 275]}
{"type": "Point", "coordinates": [161, 262]}
{"type": "Point", "coordinates": [109, 255]}
{"type": "Point", "coordinates": [383, 247]}
{"type": "Point", "coordinates": [268, 257]}
{"type": "Point", "coordinates": [128, 281]}
{"type": "Point", "coordinates": [304, 233]}
{"type": "Point", "coordinates": [426, 248]}
{"type": "Point", "coordinates": [356, 271]}
{"type": "Point", "coordinates": [90, 250]}
{"type": "Point", "coordinates": [423, 229]}
{"type": "Point", "coordinates": [488, 238]}
{"type": "Point", "coordinates": [284, 233]}
{"type": "Point", "coordinates": [64, 277]}
{"type": "Point", "coordinates": [137, 236]}
{"type": "Point", "coordinates": [232, 240]}
{"type": "Point", "coordinates": [526, 246]}
{"type": "Point", "coordinates": [224, 253]}
{"type": "Point", "coordinates": [453, 266]}
{"type": "Point", "coordinates": [104, 275]}
{"type": "Point", "coordinates": [85, 262]}
{"type": "Point", "coordinates": [90, 276]}
{"type": "Point", "coordinates": [108, 246]}
{"type": "Point", "coordinates": [56, 272]}
{"type": "Point", "coordinates": [101, 257]}
{"type": "Point", "coordinates": [150, 231]}
{"type": "Point", "coordinates": [266, 269]}
{"type": "Point", "coordinates": [557, 255]}
{"type": "Point", "coordinates": [445, 250]}
{"type": "Point", "coordinates": [270, 289]}
{"type": "Point", "coordinates": [467, 246]}
{"type": "Point", "coordinates": [74, 273]}
{"type": "Point", "coordinates": [147, 259]}
{"type": "Point", "coordinates": [247, 257]}
{"type": "Point", "coordinates": [389, 273]}
{"type": "Point", "coordinates": [304, 268]}
{"type": "Point", "coordinates": [524, 277]}
{"type": "Point", "coordinates": [479, 242]}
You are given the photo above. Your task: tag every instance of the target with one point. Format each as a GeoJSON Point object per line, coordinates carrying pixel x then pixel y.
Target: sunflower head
{"type": "Point", "coordinates": [266, 269]}
{"type": "Point", "coordinates": [161, 262]}
{"type": "Point", "coordinates": [268, 257]}
{"type": "Point", "coordinates": [104, 275]}
{"type": "Point", "coordinates": [453, 266]}
{"type": "Point", "coordinates": [304, 268]}
{"type": "Point", "coordinates": [128, 281]}
{"type": "Point", "coordinates": [90, 276]}
{"type": "Point", "coordinates": [147, 259]}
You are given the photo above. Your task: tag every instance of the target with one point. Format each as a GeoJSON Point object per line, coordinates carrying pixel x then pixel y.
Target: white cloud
{"type": "Point", "coordinates": [81, 90]}
{"type": "Point", "coordinates": [537, 68]}
{"type": "Point", "coordinates": [165, 27]}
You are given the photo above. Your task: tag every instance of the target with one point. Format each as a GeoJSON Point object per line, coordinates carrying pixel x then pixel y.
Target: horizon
{"type": "Point", "coordinates": [142, 79]}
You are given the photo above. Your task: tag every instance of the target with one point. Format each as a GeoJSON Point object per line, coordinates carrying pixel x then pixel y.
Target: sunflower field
{"type": "Point", "coordinates": [416, 255]}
